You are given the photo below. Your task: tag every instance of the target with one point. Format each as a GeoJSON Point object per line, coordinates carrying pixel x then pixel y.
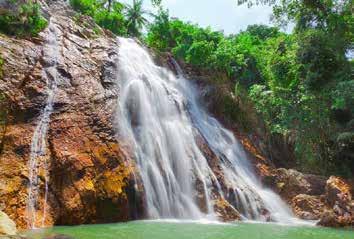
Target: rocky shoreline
{"type": "Point", "coordinates": [328, 201]}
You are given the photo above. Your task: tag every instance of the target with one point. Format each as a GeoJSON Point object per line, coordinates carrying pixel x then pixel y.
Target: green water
{"type": "Point", "coordinates": [192, 230]}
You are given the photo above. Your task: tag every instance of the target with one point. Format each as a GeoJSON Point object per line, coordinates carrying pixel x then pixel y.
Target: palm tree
{"type": "Point", "coordinates": [135, 17]}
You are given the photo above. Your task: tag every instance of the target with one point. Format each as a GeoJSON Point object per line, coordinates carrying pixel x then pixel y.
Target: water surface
{"type": "Point", "coordinates": [194, 230]}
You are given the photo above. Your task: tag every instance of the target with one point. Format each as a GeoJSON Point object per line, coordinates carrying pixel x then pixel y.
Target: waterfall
{"type": "Point", "coordinates": [159, 115]}
{"type": "Point", "coordinates": [38, 165]}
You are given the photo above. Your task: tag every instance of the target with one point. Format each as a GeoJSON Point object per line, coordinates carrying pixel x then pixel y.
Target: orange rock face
{"type": "Point", "coordinates": [337, 190]}
{"type": "Point", "coordinates": [308, 207]}
{"type": "Point", "coordinates": [339, 198]}
{"type": "Point", "coordinates": [92, 178]}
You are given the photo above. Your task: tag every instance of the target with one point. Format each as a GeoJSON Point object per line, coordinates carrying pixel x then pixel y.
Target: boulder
{"type": "Point", "coordinates": [7, 226]}
{"type": "Point", "coordinates": [339, 199]}
{"type": "Point", "coordinates": [328, 219]}
{"type": "Point", "coordinates": [332, 219]}
{"type": "Point", "coordinates": [225, 211]}
{"type": "Point", "coordinates": [290, 183]}
{"type": "Point", "coordinates": [308, 207]}
{"type": "Point", "coordinates": [337, 189]}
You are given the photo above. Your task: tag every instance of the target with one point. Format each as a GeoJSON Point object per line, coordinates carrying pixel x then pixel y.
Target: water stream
{"type": "Point", "coordinates": [38, 165]}
{"type": "Point", "coordinates": [159, 114]}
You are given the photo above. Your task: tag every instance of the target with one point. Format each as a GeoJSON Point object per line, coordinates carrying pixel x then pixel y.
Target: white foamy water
{"type": "Point", "coordinates": [38, 165]}
{"type": "Point", "coordinates": [159, 115]}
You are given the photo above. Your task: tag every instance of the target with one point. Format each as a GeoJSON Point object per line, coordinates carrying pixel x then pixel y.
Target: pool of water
{"type": "Point", "coordinates": [192, 230]}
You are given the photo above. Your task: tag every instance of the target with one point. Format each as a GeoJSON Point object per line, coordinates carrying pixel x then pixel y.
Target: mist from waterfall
{"type": "Point", "coordinates": [159, 115]}
{"type": "Point", "coordinates": [38, 165]}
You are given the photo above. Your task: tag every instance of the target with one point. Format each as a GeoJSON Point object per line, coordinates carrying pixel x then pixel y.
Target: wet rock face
{"type": "Point", "coordinates": [223, 208]}
{"type": "Point", "coordinates": [91, 175]}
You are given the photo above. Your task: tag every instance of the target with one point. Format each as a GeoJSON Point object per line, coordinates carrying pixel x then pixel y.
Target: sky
{"type": "Point", "coordinates": [223, 15]}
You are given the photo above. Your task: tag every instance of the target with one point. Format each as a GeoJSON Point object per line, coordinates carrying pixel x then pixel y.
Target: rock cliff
{"type": "Point", "coordinates": [91, 176]}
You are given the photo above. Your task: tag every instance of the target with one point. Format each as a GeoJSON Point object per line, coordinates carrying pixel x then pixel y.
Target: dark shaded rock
{"type": "Point", "coordinates": [290, 183]}
{"type": "Point", "coordinates": [328, 219]}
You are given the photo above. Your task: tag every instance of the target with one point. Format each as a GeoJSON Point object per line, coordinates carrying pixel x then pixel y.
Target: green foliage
{"type": "Point", "coordinates": [159, 36]}
{"type": "Point", "coordinates": [135, 18]}
{"type": "Point", "coordinates": [299, 83]}
{"type": "Point", "coordinates": [121, 19]}
{"type": "Point", "coordinates": [112, 19]}
{"type": "Point", "coordinates": [107, 14]}
{"type": "Point", "coordinates": [24, 20]}
{"type": "Point", "coordinates": [320, 60]}
{"type": "Point", "coordinates": [156, 3]}
{"type": "Point", "coordinates": [343, 97]}
{"type": "Point", "coordinates": [199, 53]}
{"type": "Point", "coordinates": [87, 7]}
{"type": "Point", "coordinates": [263, 32]}
{"type": "Point", "coordinates": [226, 57]}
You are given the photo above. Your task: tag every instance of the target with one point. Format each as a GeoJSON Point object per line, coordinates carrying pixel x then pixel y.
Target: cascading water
{"type": "Point", "coordinates": [160, 116]}
{"type": "Point", "coordinates": [38, 165]}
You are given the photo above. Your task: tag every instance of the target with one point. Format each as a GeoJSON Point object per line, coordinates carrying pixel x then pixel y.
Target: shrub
{"type": "Point", "coordinates": [24, 20]}
{"type": "Point", "coordinates": [107, 16]}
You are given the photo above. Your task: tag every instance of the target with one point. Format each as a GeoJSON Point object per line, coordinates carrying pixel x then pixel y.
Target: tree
{"type": "Point", "coordinates": [107, 14]}
{"type": "Point", "coordinates": [156, 3]}
{"type": "Point", "coordinates": [310, 81]}
{"type": "Point", "coordinates": [109, 5]}
{"type": "Point", "coordinates": [300, 83]}
{"type": "Point", "coordinates": [135, 17]}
